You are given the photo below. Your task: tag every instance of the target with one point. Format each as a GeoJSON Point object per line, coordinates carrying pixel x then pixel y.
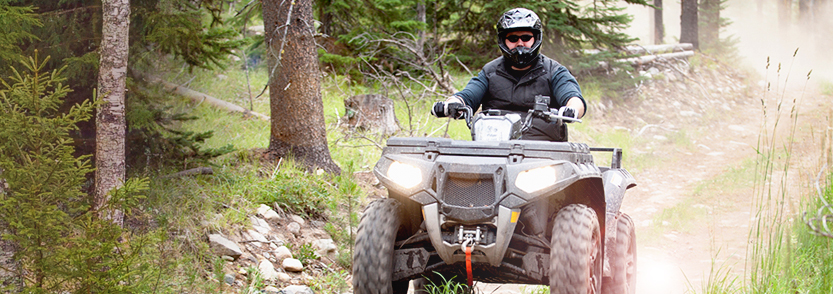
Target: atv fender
{"type": "Point", "coordinates": [616, 182]}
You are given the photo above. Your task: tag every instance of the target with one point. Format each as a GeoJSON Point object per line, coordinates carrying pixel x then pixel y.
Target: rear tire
{"type": "Point", "coordinates": [622, 259]}
{"type": "Point", "coordinates": [575, 254]}
{"type": "Point", "coordinates": [373, 253]}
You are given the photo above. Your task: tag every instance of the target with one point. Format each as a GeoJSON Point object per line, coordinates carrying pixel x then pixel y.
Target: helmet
{"type": "Point", "coordinates": [519, 19]}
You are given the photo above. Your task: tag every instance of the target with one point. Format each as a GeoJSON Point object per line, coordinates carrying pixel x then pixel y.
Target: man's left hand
{"type": "Point", "coordinates": [568, 111]}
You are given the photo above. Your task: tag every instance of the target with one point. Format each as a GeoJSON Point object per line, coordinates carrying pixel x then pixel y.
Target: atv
{"type": "Point", "coordinates": [498, 209]}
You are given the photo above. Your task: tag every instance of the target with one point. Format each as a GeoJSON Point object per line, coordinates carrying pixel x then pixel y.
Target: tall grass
{"type": "Point", "coordinates": [783, 255]}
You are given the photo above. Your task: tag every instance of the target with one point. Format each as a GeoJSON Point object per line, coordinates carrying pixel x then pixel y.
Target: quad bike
{"type": "Point", "coordinates": [497, 209]}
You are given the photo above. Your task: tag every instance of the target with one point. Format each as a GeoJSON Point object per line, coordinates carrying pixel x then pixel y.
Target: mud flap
{"type": "Point", "coordinates": [536, 265]}
{"type": "Point", "coordinates": [409, 262]}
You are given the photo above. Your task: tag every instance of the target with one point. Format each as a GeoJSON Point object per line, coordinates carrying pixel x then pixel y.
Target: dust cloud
{"type": "Point", "coordinates": [760, 36]}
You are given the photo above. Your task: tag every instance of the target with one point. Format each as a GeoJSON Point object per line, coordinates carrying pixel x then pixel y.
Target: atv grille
{"type": "Point", "coordinates": [469, 190]}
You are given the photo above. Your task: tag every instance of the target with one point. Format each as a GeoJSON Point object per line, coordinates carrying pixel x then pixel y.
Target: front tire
{"type": "Point", "coordinates": [373, 253]}
{"type": "Point", "coordinates": [575, 254]}
{"type": "Point", "coordinates": [622, 259]}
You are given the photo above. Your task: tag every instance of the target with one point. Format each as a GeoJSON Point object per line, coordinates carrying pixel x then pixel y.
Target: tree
{"type": "Point", "coordinates": [110, 122]}
{"type": "Point", "coordinates": [710, 23]}
{"type": "Point", "coordinates": [689, 23]}
{"type": "Point", "coordinates": [298, 127]}
{"type": "Point", "coordinates": [659, 27]}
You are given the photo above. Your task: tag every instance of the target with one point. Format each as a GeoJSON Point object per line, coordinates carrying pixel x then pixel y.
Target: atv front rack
{"type": "Point", "coordinates": [616, 160]}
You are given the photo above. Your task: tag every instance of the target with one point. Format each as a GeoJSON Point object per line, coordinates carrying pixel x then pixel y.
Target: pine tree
{"type": "Point", "coordinates": [295, 93]}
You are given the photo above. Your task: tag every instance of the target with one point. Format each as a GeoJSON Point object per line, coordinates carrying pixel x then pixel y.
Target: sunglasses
{"type": "Point", "coordinates": [514, 38]}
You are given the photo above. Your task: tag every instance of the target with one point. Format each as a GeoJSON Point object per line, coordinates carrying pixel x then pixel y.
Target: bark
{"type": "Point", "coordinates": [688, 23]}
{"type": "Point", "coordinates": [784, 13]}
{"type": "Point", "coordinates": [659, 27]}
{"type": "Point", "coordinates": [110, 122]}
{"type": "Point", "coordinates": [805, 14]}
{"type": "Point", "coordinates": [710, 22]}
{"type": "Point", "coordinates": [298, 127]}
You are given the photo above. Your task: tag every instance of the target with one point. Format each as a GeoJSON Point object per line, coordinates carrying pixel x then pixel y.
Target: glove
{"type": "Point", "coordinates": [453, 107]}
{"type": "Point", "coordinates": [568, 111]}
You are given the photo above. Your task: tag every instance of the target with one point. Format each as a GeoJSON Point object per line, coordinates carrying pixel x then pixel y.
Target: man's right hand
{"type": "Point", "coordinates": [452, 107]}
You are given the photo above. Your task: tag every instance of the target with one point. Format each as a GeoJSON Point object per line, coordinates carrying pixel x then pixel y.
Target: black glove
{"type": "Point", "coordinates": [568, 112]}
{"type": "Point", "coordinates": [453, 109]}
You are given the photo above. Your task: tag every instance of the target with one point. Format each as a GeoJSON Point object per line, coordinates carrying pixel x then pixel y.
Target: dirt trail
{"type": "Point", "coordinates": [674, 260]}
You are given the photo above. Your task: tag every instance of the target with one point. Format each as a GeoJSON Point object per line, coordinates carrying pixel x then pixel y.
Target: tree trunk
{"type": "Point", "coordinates": [710, 23]}
{"type": "Point", "coordinates": [784, 13]}
{"type": "Point", "coordinates": [110, 123]}
{"type": "Point", "coordinates": [421, 33]}
{"type": "Point", "coordinates": [688, 23]}
{"type": "Point", "coordinates": [659, 27]}
{"type": "Point", "coordinates": [298, 127]}
{"type": "Point", "coordinates": [805, 14]}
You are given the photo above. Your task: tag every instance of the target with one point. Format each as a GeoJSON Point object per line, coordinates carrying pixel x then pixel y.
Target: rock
{"type": "Point", "coordinates": [294, 228]}
{"type": "Point", "coordinates": [267, 213]}
{"type": "Point", "coordinates": [325, 247]}
{"type": "Point", "coordinates": [222, 246]}
{"type": "Point", "coordinates": [261, 226]}
{"type": "Point", "coordinates": [296, 289]}
{"type": "Point", "coordinates": [284, 277]}
{"type": "Point", "coordinates": [292, 265]}
{"type": "Point", "coordinates": [271, 290]}
{"type": "Point", "coordinates": [229, 279]}
{"type": "Point", "coordinates": [256, 236]}
{"type": "Point", "coordinates": [297, 219]}
{"type": "Point", "coordinates": [282, 253]}
{"type": "Point", "coordinates": [317, 224]}
{"type": "Point", "coordinates": [267, 270]}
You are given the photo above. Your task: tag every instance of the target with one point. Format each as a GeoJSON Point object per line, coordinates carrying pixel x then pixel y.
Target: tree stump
{"type": "Point", "coordinates": [371, 112]}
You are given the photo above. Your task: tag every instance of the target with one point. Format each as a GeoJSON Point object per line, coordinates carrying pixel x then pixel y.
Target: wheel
{"type": "Point", "coordinates": [373, 253]}
{"type": "Point", "coordinates": [622, 257]}
{"type": "Point", "coordinates": [575, 251]}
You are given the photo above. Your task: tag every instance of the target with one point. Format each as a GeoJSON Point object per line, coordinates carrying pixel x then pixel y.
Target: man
{"type": "Point", "coordinates": [511, 82]}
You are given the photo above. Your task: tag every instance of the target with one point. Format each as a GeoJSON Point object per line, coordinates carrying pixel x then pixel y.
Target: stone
{"type": "Point", "coordinates": [297, 219]}
{"type": "Point", "coordinates": [298, 289]}
{"type": "Point", "coordinates": [284, 277]}
{"type": "Point", "coordinates": [325, 247]}
{"type": "Point", "coordinates": [282, 253]}
{"type": "Point", "coordinates": [317, 224]}
{"type": "Point", "coordinates": [294, 228]}
{"type": "Point", "coordinates": [222, 246]}
{"type": "Point", "coordinates": [229, 279]}
{"type": "Point", "coordinates": [292, 265]}
{"type": "Point", "coordinates": [267, 213]}
{"type": "Point", "coordinates": [267, 270]}
{"type": "Point", "coordinates": [271, 290]}
{"type": "Point", "coordinates": [257, 236]}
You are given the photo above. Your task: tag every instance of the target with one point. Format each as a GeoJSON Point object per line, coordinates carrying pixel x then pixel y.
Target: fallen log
{"type": "Point", "coordinates": [642, 60]}
{"type": "Point", "coordinates": [189, 172]}
{"type": "Point", "coordinates": [648, 49]}
{"type": "Point", "coordinates": [201, 97]}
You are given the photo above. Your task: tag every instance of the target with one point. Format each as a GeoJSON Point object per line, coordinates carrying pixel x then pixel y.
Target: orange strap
{"type": "Point", "coordinates": [468, 266]}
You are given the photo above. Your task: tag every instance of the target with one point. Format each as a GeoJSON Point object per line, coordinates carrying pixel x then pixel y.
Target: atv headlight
{"type": "Point", "coordinates": [405, 175]}
{"type": "Point", "coordinates": [535, 179]}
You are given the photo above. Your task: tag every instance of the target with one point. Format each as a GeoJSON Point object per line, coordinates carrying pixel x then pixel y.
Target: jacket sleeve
{"type": "Point", "coordinates": [564, 86]}
{"type": "Point", "coordinates": [474, 91]}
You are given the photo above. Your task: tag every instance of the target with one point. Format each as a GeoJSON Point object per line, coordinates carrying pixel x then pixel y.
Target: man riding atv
{"type": "Point", "coordinates": [508, 83]}
{"type": "Point", "coordinates": [517, 204]}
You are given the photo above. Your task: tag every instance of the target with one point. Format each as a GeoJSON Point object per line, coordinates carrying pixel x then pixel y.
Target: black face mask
{"type": "Point", "coordinates": [522, 56]}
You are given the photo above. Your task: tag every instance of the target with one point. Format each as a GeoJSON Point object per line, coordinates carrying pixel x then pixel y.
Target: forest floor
{"type": "Point", "coordinates": [695, 201]}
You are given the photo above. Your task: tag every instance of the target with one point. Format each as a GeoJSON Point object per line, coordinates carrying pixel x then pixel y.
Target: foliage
{"type": "Point", "coordinates": [331, 282]}
{"type": "Point", "coordinates": [163, 144]}
{"type": "Point", "coordinates": [305, 253]}
{"type": "Point", "coordinates": [60, 243]}
{"type": "Point", "coordinates": [446, 286]}
{"type": "Point", "coordinates": [15, 23]}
